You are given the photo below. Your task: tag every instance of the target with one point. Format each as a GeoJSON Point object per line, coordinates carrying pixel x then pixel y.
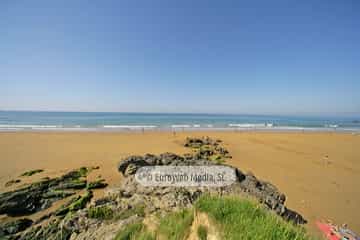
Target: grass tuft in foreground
{"type": "Point", "coordinates": [135, 231]}
{"type": "Point", "coordinates": [202, 232]}
{"type": "Point", "coordinates": [243, 219]}
{"type": "Point", "coordinates": [176, 226]}
{"type": "Point", "coordinates": [101, 212]}
{"type": "Point", "coordinates": [138, 210]}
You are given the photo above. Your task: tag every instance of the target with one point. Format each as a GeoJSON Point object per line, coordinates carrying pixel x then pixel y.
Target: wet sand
{"type": "Point", "coordinates": [318, 172]}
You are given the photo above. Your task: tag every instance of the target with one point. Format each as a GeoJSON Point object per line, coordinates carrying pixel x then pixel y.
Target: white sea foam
{"type": "Point", "coordinates": [292, 128]}
{"type": "Point", "coordinates": [10, 129]}
{"type": "Point", "coordinates": [247, 125]}
{"type": "Point", "coordinates": [29, 126]}
{"type": "Point", "coordinates": [196, 125]}
{"type": "Point", "coordinates": [181, 126]}
{"type": "Point", "coordinates": [130, 126]}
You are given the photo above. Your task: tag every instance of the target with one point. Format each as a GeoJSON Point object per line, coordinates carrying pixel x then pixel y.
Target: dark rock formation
{"type": "Point", "coordinates": [171, 197]}
{"type": "Point", "coordinates": [31, 172]}
{"type": "Point", "coordinates": [208, 149]}
{"type": "Point", "coordinates": [12, 182]}
{"type": "Point", "coordinates": [97, 184]}
{"type": "Point", "coordinates": [75, 204]}
{"type": "Point", "coordinates": [14, 226]}
{"type": "Point", "coordinates": [40, 195]}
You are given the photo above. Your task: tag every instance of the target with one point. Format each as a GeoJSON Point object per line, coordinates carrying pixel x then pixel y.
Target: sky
{"type": "Point", "coordinates": [254, 57]}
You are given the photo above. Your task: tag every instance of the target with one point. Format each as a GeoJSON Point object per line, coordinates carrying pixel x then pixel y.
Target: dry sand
{"type": "Point", "coordinates": [318, 172]}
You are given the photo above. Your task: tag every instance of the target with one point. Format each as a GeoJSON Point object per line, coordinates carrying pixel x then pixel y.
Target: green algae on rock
{"type": "Point", "coordinates": [31, 172]}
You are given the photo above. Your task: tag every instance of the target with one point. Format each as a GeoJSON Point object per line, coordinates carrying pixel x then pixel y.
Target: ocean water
{"type": "Point", "coordinates": [111, 121]}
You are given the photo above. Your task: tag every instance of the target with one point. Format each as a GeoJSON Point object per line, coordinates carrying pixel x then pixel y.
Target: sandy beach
{"type": "Point", "coordinates": [318, 172]}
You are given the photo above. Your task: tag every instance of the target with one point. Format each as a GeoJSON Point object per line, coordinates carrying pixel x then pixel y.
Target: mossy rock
{"type": "Point", "coordinates": [15, 226]}
{"type": "Point", "coordinates": [58, 194]}
{"type": "Point", "coordinates": [74, 184]}
{"type": "Point", "coordinates": [31, 172]}
{"type": "Point", "coordinates": [97, 184]}
{"type": "Point", "coordinates": [75, 204]}
{"type": "Point", "coordinates": [217, 159]}
{"type": "Point", "coordinates": [81, 203]}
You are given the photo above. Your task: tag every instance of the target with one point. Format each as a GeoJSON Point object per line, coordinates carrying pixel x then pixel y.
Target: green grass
{"type": "Point", "coordinates": [243, 219]}
{"type": "Point", "coordinates": [202, 232]}
{"type": "Point", "coordinates": [176, 225]}
{"type": "Point", "coordinates": [136, 210]}
{"type": "Point", "coordinates": [102, 212]}
{"type": "Point", "coordinates": [135, 231]}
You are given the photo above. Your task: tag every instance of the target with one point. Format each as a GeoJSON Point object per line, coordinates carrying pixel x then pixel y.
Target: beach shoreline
{"type": "Point", "coordinates": [175, 130]}
{"type": "Point", "coordinates": [315, 170]}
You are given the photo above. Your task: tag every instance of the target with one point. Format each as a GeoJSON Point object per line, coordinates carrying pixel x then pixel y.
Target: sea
{"type": "Point", "coordinates": [116, 121]}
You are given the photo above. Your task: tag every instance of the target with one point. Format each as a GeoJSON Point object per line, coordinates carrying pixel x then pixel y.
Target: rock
{"type": "Point", "coordinates": [207, 148]}
{"type": "Point", "coordinates": [75, 204]}
{"type": "Point", "coordinates": [31, 172]}
{"type": "Point", "coordinates": [131, 169]}
{"type": "Point", "coordinates": [12, 182]}
{"type": "Point", "coordinates": [20, 202]}
{"type": "Point", "coordinates": [15, 226]}
{"type": "Point", "coordinates": [97, 184]}
{"type": "Point", "coordinates": [134, 160]}
{"type": "Point", "coordinates": [74, 184]}
{"type": "Point", "coordinates": [40, 195]}
{"type": "Point", "coordinates": [57, 194]}
{"type": "Point", "coordinates": [208, 152]}
{"type": "Point", "coordinates": [193, 142]}
{"type": "Point", "coordinates": [170, 158]}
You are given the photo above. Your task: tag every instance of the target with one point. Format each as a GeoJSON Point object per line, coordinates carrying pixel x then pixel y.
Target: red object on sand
{"type": "Point", "coordinates": [327, 229]}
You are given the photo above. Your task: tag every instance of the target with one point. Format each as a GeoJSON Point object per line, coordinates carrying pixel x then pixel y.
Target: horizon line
{"type": "Point", "coordinates": [345, 114]}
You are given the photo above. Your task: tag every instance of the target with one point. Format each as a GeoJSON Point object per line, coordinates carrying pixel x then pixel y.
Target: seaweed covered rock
{"type": "Point", "coordinates": [198, 142]}
{"type": "Point", "coordinates": [40, 195]}
{"type": "Point", "coordinates": [96, 184]}
{"type": "Point", "coordinates": [75, 204]}
{"type": "Point", "coordinates": [131, 162]}
{"type": "Point", "coordinates": [15, 226]}
{"type": "Point", "coordinates": [31, 172]}
{"type": "Point", "coordinates": [206, 150]}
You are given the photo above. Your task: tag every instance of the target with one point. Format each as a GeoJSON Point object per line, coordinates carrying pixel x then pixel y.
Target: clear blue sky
{"type": "Point", "coordinates": [256, 57]}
